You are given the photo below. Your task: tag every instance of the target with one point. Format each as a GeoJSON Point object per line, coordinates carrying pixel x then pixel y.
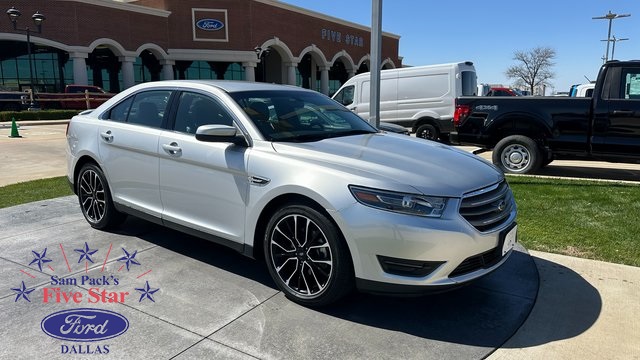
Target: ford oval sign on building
{"type": "Point", "coordinates": [84, 325]}
{"type": "Point", "coordinates": [210, 24]}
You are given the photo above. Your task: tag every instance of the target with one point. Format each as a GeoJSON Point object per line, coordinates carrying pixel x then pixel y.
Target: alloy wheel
{"type": "Point", "coordinates": [92, 196]}
{"type": "Point", "coordinates": [301, 255]}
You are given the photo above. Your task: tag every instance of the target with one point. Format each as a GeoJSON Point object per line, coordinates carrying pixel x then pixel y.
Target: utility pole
{"type": "Point", "coordinates": [614, 40]}
{"type": "Point", "coordinates": [610, 16]}
{"type": "Point", "coordinates": [376, 62]}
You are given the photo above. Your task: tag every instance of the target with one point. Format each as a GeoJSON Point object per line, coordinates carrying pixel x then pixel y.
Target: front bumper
{"type": "Point", "coordinates": [456, 249]}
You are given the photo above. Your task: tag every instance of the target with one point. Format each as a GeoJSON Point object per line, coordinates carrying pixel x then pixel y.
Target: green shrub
{"type": "Point", "coordinates": [38, 115]}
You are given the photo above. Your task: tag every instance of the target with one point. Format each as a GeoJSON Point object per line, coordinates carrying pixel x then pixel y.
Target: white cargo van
{"type": "Point", "coordinates": [420, 97]}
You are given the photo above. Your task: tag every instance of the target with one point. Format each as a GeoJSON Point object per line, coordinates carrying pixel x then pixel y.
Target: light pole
{"type": "Point", "coordinates": [613, 48]}
{"type": "Point", "coordinates": [610, 16]}
{"type": "Point", "coordinates": [262, 57]}
{"type": "Point", "coordinates": [38, 18]}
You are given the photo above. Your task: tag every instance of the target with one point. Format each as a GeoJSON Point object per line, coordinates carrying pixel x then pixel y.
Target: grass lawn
{"type": "Point", "coordinates": [29, 191]}
{"type": "Point", "coordinates": [588, 219]}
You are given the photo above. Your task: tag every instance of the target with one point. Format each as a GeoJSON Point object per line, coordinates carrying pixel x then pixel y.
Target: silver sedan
{"type": "Point", "coordinates": [287, 174]}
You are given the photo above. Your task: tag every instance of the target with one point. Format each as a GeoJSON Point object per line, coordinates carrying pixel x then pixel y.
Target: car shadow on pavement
{"type": "Point", "coordinates": [590, 172]}
{"type": "Point", "coordinates": [484, 314]}
{"type": "Point", "coordinates": [202, 250]}
{"type": "Point", "coordinates": [567, 306]}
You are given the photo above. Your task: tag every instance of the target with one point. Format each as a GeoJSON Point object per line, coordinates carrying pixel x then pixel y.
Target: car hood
{"type": "Point", "coordinates": [396, 161]}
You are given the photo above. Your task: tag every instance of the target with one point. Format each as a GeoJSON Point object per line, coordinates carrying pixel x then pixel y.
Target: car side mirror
{"type": "Point", "coordinates": [219, 133]}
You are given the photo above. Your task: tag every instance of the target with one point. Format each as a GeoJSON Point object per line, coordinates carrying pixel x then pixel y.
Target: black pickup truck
{"type": "Point", "coordinates": [526, 133]}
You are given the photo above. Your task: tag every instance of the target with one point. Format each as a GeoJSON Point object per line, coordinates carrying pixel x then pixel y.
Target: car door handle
{"type": "Point", "coordinates": [106, 136]}
{"type": "Point", "coordinates": [172, 149]}
{"type": "Point", "coordinates": [354, 109]}
{"type": "Point", "coordinates": [623, 112]}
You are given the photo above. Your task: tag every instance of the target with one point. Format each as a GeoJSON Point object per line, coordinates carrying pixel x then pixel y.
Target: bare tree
{"type": "Point", "coordinates": [534, 68]}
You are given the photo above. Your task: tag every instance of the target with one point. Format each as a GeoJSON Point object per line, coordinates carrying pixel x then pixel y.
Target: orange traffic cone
{"type": "Point", "coordinates": [14, 129]}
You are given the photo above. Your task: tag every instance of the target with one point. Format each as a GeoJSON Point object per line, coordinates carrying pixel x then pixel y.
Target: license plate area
{"type": "Point", "coordinates": [508, 239]}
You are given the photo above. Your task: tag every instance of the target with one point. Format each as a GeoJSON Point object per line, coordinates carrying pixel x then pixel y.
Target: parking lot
{"type": "Point", "coordinates": [189, 298]}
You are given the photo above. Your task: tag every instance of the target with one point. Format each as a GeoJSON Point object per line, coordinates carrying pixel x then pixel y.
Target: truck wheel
{"type": "Point", "coordinates": [517, 154]}
{"type": "Point", "coordinates": [427, 131]}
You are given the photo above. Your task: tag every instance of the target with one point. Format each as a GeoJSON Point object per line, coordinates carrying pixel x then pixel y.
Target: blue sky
{"type": "Point", "coordinates": [488, 32]}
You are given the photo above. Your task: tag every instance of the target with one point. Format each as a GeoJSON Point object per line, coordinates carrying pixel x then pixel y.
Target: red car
{"type": "Point", "coordinates": [502, 91]}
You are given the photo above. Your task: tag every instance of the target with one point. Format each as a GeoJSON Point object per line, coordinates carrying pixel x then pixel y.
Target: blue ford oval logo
{"type": "Point", "coordinates": [84, 325]}
{"type": "Point", "coordinates": [209, 24]}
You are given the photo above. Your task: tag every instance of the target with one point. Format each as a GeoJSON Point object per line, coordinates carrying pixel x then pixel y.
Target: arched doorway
{"type": "Point", "coordinates": [338, 75]}
{"type": "Point", "coordinates": [146, 68]}
{"type": "Point", "coordinates": [105, 69]}
{"type": "Point", "coordinates": [363, 68]}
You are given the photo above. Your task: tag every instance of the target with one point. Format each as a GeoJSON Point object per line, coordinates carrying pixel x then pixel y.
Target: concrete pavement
{"type": "Point", "coordinates": [187, 298]}
{"type": "Point", "coordinates": [584, 309]}
{"type": "Point", "coordinates": [38, 154]}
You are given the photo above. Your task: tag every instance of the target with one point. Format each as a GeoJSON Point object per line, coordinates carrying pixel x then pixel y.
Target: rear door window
{"type": "Point", "coordinates": [148, 108]}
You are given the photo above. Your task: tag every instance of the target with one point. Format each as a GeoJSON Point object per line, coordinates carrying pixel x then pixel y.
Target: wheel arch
{"type": "Point", "coordinates": [525, 124]}
{"type": "Point", "coordinates": [82, 161]}
{"type": "Point", "coordinates": [424, 120]}
{"type": "Point", "coordinates": [257, 251]}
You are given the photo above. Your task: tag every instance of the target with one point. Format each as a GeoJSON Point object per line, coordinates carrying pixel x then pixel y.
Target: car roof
{"type": "Point", "coordinates": [229, 86]}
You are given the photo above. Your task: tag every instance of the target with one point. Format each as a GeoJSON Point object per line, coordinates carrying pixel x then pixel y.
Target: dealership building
{"type": "Point", "coordinates": [117, 44]}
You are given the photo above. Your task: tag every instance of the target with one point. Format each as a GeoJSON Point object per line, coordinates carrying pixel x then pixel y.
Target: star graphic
{"type": "Point", "coordinates": [22, 292]}
{"type": "Point", "coordinates": [147, 292]}
{"type": "Point", "coordinates": [85, 253]}
{"type": "Point", "coordinates": [40, 259]}
{"type": "Point", "coordinates": [129, 259]}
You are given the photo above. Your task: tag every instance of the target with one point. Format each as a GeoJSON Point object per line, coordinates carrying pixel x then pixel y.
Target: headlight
{"type": "Point", "coordinates": [412, 204]}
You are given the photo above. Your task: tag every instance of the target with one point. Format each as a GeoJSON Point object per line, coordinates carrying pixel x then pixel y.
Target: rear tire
{"type": "Point", "coordinates": [307, 257]}
{"type": "Point", "coordinates": [427, 131]}
{"type": "Point", "coordinates": [95, 199]}
{"type": "Point", "coordinates": [517, 154]}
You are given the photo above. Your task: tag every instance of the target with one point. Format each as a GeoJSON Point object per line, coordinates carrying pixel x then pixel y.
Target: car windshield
{"type": "Point", "coordinates": [297, 116]}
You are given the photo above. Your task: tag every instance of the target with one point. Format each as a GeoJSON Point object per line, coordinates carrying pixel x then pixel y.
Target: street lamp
{"type": "Point", "coordinates": [262, 56]}
{"type": "Point", "coordinates": [610, 16]}
{"type": "Point", "coordinates": [613, 48]}
{"type": "Point", "coordinates": [38, 18]}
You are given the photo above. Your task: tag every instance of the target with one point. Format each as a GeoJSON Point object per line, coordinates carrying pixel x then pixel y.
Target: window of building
{"type": "Point", "coordinates": [140, 72]}
{"type": "Point", "coordinates": [234, 72]}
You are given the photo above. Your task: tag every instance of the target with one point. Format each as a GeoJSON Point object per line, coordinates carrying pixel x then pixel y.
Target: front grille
{"type": "Point", "coordinates": [488, 208]}
{"type": "Point", "coordinates": [482, 261]}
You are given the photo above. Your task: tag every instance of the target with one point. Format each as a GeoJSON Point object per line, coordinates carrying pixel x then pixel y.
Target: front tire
{"type": "Point", "coordinates": [95, 199]}
{"type": "Point", "coordinates": [517, 154]}
{"type": "Point", "coordinates": [307, 257]}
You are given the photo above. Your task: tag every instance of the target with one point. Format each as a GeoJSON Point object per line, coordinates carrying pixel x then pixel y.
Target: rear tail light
{"type": "Point", "coordinates": [461, 112]}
